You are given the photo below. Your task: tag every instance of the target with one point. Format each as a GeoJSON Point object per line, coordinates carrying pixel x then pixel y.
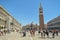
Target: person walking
{"type": "Point", "coordinates": [47, 33]}
{"type": "Point", "coordinates": [42, 34]}
{"type": "Point", "coordinates": [38, 31]}
{"type": "Point", "coordinates": [53, 33]}
{"type": "Point", "coordinates": [56, 32]}
{"type": "Point", "coordinates": [24, 33]}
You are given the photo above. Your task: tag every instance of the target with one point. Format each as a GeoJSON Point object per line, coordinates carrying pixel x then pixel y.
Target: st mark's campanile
{"type": "Point", "coordinates": [41, 18]}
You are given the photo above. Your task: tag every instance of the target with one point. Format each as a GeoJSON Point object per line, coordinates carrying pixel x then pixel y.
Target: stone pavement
{"type": "Point", "coordinates": [18, 36]}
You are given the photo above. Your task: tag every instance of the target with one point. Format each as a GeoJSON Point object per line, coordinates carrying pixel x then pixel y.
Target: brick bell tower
{"type": "Point", "coordinates": [41, 18]}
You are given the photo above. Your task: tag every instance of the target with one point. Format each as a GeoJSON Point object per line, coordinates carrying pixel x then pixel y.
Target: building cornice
{"type": "Point", "coordinates": [7, 13]}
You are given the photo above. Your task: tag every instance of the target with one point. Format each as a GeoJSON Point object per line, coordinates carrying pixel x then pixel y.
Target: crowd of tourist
{"type": "Point", "coordinates": [43, 33]}
{"type": "Point", "coordinates": [3, 32]}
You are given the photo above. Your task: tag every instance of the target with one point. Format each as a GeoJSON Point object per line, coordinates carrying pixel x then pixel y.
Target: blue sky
{"type": "Point", "coordinates": [26, 11]}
